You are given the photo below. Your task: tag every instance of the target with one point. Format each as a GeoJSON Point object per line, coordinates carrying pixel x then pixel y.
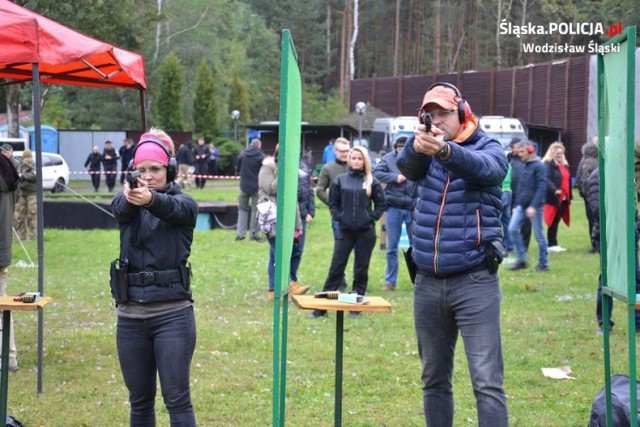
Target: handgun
{"type": "Point", "coordinates": [425, 119]}
{"type": "Point", "coordinates": [132, 178]}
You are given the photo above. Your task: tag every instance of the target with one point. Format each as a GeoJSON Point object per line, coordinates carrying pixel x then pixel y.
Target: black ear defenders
{"type": "Point", "coordinates": [461, 103]}
{"type": "Point", "coordinates": [172, 164]}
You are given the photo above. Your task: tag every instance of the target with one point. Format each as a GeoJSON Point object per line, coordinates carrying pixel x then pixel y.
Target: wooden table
{"type": "Point", "coordinates": [309, 302]}
{"type": "Point", "coordinates": [7, 304]}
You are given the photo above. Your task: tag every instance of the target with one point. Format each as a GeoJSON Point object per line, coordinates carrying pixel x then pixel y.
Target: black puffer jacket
{"type": "Point", "coordinates": [593, 199]}
{"type": "Point", "coordinates": [554, 183]}
{"type": "Point", "coordinates": [588, 164]}
{"type": "Point", "coordinates": [350, 205]}
{"type": "Point", "coordinates": [157, 238]}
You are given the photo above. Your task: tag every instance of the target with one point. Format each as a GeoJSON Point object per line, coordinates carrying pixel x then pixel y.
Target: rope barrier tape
{"type": "Point", "coordinates": [188, 176]}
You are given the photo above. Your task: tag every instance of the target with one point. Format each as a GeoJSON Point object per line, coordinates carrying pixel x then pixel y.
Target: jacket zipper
{"type": "Point", "coordinates": [438, 231]}
{"type": "Point", "coordinates": [479, 228]}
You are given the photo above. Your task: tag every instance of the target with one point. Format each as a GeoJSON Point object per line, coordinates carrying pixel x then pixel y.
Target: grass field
{"type": "Point", "coordinates": [548, 320]}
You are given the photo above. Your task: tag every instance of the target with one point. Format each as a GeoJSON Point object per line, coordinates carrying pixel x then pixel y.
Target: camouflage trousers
{"type": "Point", "coordinates": [25, 217]}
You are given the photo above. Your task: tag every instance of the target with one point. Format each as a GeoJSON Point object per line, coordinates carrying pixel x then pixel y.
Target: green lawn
{"type": "Point", "coordinates": [548, 321]}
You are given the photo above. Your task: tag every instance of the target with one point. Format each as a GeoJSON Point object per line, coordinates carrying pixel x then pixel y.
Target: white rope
{"type": "Point", "coordinates": [31, 264]}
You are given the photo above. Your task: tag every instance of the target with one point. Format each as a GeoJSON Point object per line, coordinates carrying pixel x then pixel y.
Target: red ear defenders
{"type": "Point", "coordinates": [531, 148]}
{"type": "Point", "coordinates": [461, 102]}
{"type": "Point", "coordinates": [172, 165]}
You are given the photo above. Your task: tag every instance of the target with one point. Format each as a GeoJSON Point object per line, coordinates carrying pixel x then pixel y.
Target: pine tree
{"type": "Point", "coordinates": [205, 110]}
{"type": "Point", "coordinates": [239, 98]}
{"type": "Point", "coordinates": [168, 104]}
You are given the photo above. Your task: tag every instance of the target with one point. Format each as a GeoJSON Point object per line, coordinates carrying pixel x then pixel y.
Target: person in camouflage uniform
{"type": "Point", "coordinates": [25, 217]}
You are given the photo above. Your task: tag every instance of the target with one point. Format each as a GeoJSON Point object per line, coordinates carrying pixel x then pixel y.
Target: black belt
{"type": "Point", "coordinates": [479, 267]}
{"type": "Point", "coordinates": [146, 278]}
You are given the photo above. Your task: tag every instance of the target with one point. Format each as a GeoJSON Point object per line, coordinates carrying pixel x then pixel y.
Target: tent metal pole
{"type": "Point", "coordinates": [40, 210]}
{"type": "Point", "coordinates": [143, 114]}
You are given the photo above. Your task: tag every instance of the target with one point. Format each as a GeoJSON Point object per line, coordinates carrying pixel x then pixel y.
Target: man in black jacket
{"type": "Point", "coordinates": [185, 165]}
{"type": "Point", "coordinates": [110, 164]}
{"type": "Point", "coordinates": [201, 156]}
{"type": "Point", "coordinates": [249, 163]}
{"type": "Point", "coordinates": [399, 196]}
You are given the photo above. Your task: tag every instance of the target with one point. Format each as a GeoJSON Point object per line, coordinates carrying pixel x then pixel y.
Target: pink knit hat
{"type": "Point", "coordinates": [151, 147]}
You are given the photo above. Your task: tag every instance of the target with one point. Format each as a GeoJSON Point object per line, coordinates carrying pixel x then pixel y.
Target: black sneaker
{"type": "Point", "coordinates": [518, 265]}
{"type": "Point", "coordinates": [540, 268]}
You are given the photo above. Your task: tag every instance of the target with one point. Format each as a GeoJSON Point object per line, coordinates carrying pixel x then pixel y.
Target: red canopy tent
{"type": "Point", "coordinates": [64, 56]}
{"type": "Point", "coordinates": [37, 49]}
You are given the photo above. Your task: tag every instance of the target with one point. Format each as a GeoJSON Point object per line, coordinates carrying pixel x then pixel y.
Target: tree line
{"type": "Point", "coordinates": [207, 58]}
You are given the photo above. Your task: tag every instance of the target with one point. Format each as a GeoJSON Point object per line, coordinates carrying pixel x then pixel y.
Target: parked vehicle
{"type": "Point", "coordinates": [504, 129]}
{"type": "Point", "coordinates": [55, 171]}
{"type": "Point", "coordinates": [385, 130]}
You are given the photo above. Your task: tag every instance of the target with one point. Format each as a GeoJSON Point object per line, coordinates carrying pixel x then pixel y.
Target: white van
{"type": "Point", "coordinates": [385, 130]}
{"type": "Point", "coordinates": [504, 129]}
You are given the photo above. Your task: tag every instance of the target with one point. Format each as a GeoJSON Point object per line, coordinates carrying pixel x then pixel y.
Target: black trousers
{"type": "Point", "coordinates": [95, 179]}
{"type": "Point", "coordinates": [110, 176]}
{"type": "Point", "coordinates": [202, 170]}
{"type": "Point", "coordinates": [363, 241]}
{"type": "Point", "coordinates": [552, 231]}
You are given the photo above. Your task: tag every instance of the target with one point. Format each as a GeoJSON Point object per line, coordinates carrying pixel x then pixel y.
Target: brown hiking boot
{"type": "Point", "coordinates": [270, 296]}
{"type": "Point", "coordinates": [296, 289]}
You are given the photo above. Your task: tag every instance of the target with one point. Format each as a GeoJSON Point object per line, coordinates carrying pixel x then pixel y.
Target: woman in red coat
{"type": "Point", "coordinates": [558, 198]}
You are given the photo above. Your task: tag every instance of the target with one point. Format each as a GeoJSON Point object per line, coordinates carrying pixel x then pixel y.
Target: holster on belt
{"type": "Point", "coordinates": [186, 273]}
{"type": "Point", "coordinates": [118, 282]}
{"type": "Point", "coordinates": [495, 254]}
{"type": "Point", "coordinates": [411, 265]}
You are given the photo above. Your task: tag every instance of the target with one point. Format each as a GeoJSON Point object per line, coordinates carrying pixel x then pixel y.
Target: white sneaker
{"type": "Point", "coordinates": [556, 249]}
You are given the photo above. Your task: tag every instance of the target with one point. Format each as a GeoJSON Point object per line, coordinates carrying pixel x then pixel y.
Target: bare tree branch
{"type": "Point", "coordinates": [158, 24]}
{"type": "Point", "coordinates": [193, 27]}
{"type": "Point", "coordinates": [354, 39]}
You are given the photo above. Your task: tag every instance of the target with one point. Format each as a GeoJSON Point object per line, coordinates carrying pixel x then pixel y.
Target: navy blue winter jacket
{"type": "Point", "coordinates": [397, 195]}
{"type": "Point", "coordinates": [458, 203]}
{"type": "Point", "coordinates": [306, 199]}
{"type": "Point", "coordinates": [532, 184]}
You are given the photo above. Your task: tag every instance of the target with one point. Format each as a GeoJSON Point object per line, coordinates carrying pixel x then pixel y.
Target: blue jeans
{"type": "Point", "coordinates": [161, 345]}
{"type": "Point", "coordinates": [517, 220]}
{"type": "Point", "coordinates": [469, 305]}
{"type": "Point", "coordinates": [395, 218]}
{"type": "Point", "coordinates": [505, 217]}
{"type": "Point", "coordinates": [271, 266]}
{"type": "Point", "coordinates": [296, 253]}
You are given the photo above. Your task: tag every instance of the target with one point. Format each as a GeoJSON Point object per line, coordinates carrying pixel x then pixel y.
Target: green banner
{"type": "Point", "coordinates": [616, 150]}
{"type": "Point", "coordinates": [616, 124]}
{"type": "Point", "coordinates": [288, 164]}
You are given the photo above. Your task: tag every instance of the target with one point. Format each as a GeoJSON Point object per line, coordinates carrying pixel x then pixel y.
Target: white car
{"type": "Point", "coordinates": [55, 171]}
